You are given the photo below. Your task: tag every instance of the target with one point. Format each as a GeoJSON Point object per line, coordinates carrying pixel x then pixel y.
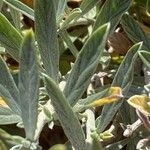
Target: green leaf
{"type": "Point", "coordinates": [85, 65]}
{"type": "Point", "coordinates": [67, 117]}
{"type": "Point", "coordinates": [58, 147]}
{"type": "Point", "coordinates": [8, 89]}
{"type": "Point", "coordinates": [127, 67]}
{"type": "Point", "coordinates": [7, 116]}
{"type": "Point", "coordinates": [16, 17]}
{"type": "Point", "coordinates": [10, 140]}
{"type": "Point", "coordinates": [145, 56]}
{"type": "Point", "coordinates": [123, 79]}
{"type": "Point", "coordinates": [60, 7]}
{"type": "Point", "coordinates": [24, 9]}
{"type": "Point", "coordinates": [134, 31]}
{"type": "Point", "coordinates": [148, 7]}
{"type": "Point", "coordinates": [46, 35]}
{"type": "Point", "coordinates": [65, 36]}
{"type": "Point", "coordinates": [118, 145]}
{"type": "Point", "coordinates": [29, 85]}
{"type": "Point", "coordinates": [87, 5]}
{"type": "Point", "coordinates": [74, 14]}
{"type": "Point", "coordinates": [112, 12]}
{"type": "Point", "coordinates": [10, 38]}
{"type": "Point", "coordinates": [80, 105]}
{"type": "Point", "coordinates": [1, 5]}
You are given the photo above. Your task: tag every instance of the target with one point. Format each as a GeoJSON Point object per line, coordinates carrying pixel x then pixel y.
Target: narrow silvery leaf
{"type": "Point", "coordinates": [67, 117]}
{"type": "Point", "coordinates": [87, 5]}
{"type": "Point", "coordinates": [8, 88]}
{"type": "Point", "coordinates": [123, 79]}
{"type": "Point", "coordinates": [85, 65]}
{"type": "Point", "coordinates": [60, 7]}
{"type": "Point", "coordinates": [10, 38]}
{"type": "Point", "coordinates": [46, 35]}
{"type": "Point", "coordinates": [126, 67]}
{"type": "Point", "coordinates": [114, 10]}
{"type": "Point", "coordinates": [28, 85]}
{"type": "Point", "coordinates": [16, 17]}
{"type": "Point", "coordinates": [145, 56]}
{"type": "Point", "coordinates": [7, 116]}
{"type": "Point", "coordinates": [134, 31]}
{"type": "Point", "coordinates": [118, 145]}
{"type": "Point", "coordinates": [24, 9]}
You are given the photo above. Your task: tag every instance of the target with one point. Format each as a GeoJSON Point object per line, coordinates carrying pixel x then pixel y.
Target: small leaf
{"type": "Point", "coordinates": [24, 9]}
{"type": "Point", "coordinates": [145, 56]}
{"type": "Point", "coordinates": [46, 35]}
{"type": "Point", "coordinates": [106, 135]}
{"type": "Point", "coordinates": [1, 5]}
{"type": "Point", "coordinates": [134, 31]}
{"type": "Point", "coordinates": [118, 145]}
{"type": "Point", "coordinates": [10, 38]}
{"type": "Point", "coordinates": [7, 116]}
{"type": "Point", "coordinates": [115, 94]}
{"type": "Point", "coordinates": [28, 85]}
{"type": "Point", "coordinates": [67, 117]}
{"type": "Point", "coordinates": [58, 147]}
{"type": "Point", "coordinates": [87, 5]}
{"type": "Point", "coordinates": [60, 7]}
{"type": "Point", "coordinates": [8, 89]}
{"type": "Point", "coordinates": [96, 144]}
{"type": "Point", "coordinates": [85, 65]}
{"type": "Point", "coordinates": [140, 102]}
{"type": "Point", "coordinates": [16, 17]}
{"type": "Point", "coordinates": [148, 7]}
{"type": "Point", "coordinates": [114, 10]}
{"type": "Point", "coordinates": [122, 79]}
{"type": "Point", "coordinates": [80, 105]}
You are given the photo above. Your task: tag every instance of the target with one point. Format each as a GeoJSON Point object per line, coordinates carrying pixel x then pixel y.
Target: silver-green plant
{"type": "Point", "coordinates": [38, 53]}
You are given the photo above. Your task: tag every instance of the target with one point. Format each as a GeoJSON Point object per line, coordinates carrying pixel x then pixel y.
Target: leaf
{"type": "Point", "coordinates": [8, 89]}
{"type": "Point", "coordinates": [73, 15]}
{"type": "Point", "coordinates": [123, 79]}
{"type": "Point", "coordinates": [126, 67]}
{"type": "Point", "coordinates": [87, 5]}
{"type": "Point", "coordinates": [24, 9]}
{"type": "Point", "coordinates": [58, 147]}
{"type": "Point", "coordinates": [60, 7]}
{"type": "Point", "coordinates": [46, 35]}
{"type": "Point", "coordinates": [140, 102]}
{"type": "Point", "coordinates": [10, 38]}
{"type": "Point", "coordinates": [1, 5]}
{"type": "Point", "coordinates": [96, 144]}
{"type": "Point", "coordinates": [148, 7]}
{"type": "Point", "coordinates": [28, 85]}
{"type": "Point", "coordinates": [67, 117]}
{"type": "Point", "coordinates": [118, 145]}
{"type": "Point", "coordinates": [116, 94]}
{"type": "Point", "coordinates": [10, 140]}
{"type": "Point", "coordinates": [134, 31]}
{"type": "Point", "coordinates": [114, 10]}
{"type": "Point", "coordinates": [80, 105]}
{"type": "Point", "coordinates": [145, 56]}
{"type": "Point", "coordinates": [85, 65]}
{"type": "Point", "coordinates": [7, 116]}
{"type": "Point", "coordinates": [16, 17]}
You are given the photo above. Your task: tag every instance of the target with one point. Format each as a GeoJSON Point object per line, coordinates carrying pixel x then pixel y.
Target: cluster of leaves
{"type": "Point", "coordinates": [43, 89]}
